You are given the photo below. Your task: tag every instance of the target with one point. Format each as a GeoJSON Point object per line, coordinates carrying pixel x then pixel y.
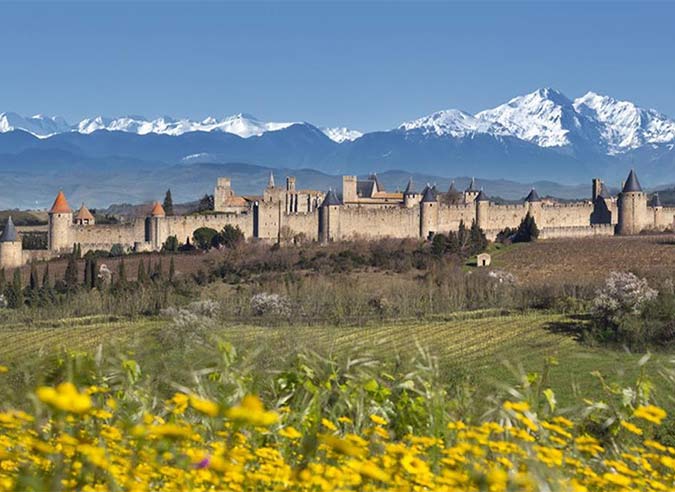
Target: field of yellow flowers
{"type": "Point", "coordinates": [325, 426]}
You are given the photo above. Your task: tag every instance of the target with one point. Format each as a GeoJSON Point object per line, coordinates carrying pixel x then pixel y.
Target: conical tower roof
{"type": "Point", "coordinates": [472, 185]}
{"type": "Point", "coordinates": [452, 188]}
{"type": "Point", "coordinates": [158, 210]}
{"type": "Point", "coordinates": [656, 201]}
{"type": "Point", "coordinates": [533, 196]}
{"type": "Point", "coordinates": [428, 196]}
{"type": "Point", "coordinates": [604, 192]}
{"type": "Point", "coordinates": [60, 205]}
{"type": "Point", "coordinates": [84, 214]}
{"type": "Point", "coordinates": [9, 232]}
{"type": "Point", "coordinates": [632, 183]}
{"type": "Point", "coordinates": [482, 197]}
{"type": "Point", "coordinates": [331, 199]}
{"type": "Point", "coordinates": [409, 190]}
{"type": "Point", "coordinates": [270, 182]}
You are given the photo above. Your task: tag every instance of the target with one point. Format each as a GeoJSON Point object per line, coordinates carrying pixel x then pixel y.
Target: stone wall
{"type": "Point", "coordinates": [449, 216]}
{"type": "Point", "coordinates": [577, 231]}
{"type": "Point", "coordinates": [302, 223]}
{"type": "Point", "coordinates": [379, 222]}
{"type": "Point", "coordinates": [104, 236]}
{"type": "Point", "coordinates": [183, 226]}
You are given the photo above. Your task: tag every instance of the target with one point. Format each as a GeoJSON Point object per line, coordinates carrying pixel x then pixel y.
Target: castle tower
{"type": "Point", "coordinates": [632, 207]}
{"type": "Point", "coordinates": [11, 250]}
{"type": "Point", "coordinates": [482, 210]}
{"type": "Point", "coordinates": [410, 197]}
{"type": "Point", "coordinates": [222, 193]}
{"type": "Point", "coordinates": [157, 227]}
{"type": "Point", "coordinates": [329, 218]}
{"type": "Point", "coordinates": [534, 206]}
{"type": "Point", "coordinates": [84, 217]}
{"type": "Point", "coordinates": [657, 207]}
{"type": "Point", "coordinates": [349, 189]}
{"type": "Point", "coordinates": [597, 189]}
{"type": "Point", "coordinates": [428, 214]}
{"type": "Point", "coordinates": [60, 224]}
{"type": "Point", "coordinates": [471, 192]}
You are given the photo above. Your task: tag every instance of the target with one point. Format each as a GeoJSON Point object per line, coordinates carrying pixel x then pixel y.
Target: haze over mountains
{"type": "Point", "coordinates": [543, 135]}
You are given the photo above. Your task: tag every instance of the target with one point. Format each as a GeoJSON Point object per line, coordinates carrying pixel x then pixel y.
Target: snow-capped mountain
{"type": "Point", "coordinates": [39, 125]}
{"type": "Point", "coordinates": [341, 134]}
{"type": "Point", "coordinates": [545, 117]}
{"type": "Point", "coordinates": [244, 125]}
{"type": "Point", "coordinates": [623, 125]}
{"type": "Point", "coordinates": [453, 122]}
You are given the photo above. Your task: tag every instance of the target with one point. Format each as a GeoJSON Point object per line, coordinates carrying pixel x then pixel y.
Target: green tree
{"type": "Point", "coordinates": [87, 273]}
{"type": "Point", "coordinates": [70, 276]}
{"type": "Point", "coordinates": [141, 276]}
{"type": "Point", "coordinates": [121, 275]}
{"type": "Point", "coordinates": [204, 237]}
{"type": "Point", "coordinates": [205, 204]}
{"type": "Point", "coordinates": [34, 281]}
{"type": "Point", "coordinates": [527, 230]}
{"type": "Point", "coordinates": [171, 244]}
{"type": "Point", "coordinates": [230, 237]}
{"type": "Point", "coordinates": [477, 240]}
{"type": "Point", "coordinates": [172, 270]}
{"type": "Point", "coordinates": [46, 279]}
{"type": "Point", "coordinates": [439, 245]}
{"type": "Point", "coordinates": [14, 292]}
{"type": "Point", "coordinates": [168, 203]}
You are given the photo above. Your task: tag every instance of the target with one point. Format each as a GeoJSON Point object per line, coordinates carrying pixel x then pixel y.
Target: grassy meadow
{"type": "Point", "coordinates": [353, 367]}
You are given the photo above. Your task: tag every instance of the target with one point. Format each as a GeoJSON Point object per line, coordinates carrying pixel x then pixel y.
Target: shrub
{"type": "Point", "coordinates": [204, 237]}
{"type": "Point", "coordinates": [171, 244]}
{"type": "Point", "coordinates": [265, 304]}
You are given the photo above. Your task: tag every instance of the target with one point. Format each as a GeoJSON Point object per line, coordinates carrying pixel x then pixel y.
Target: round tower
{"type": "Point", "coordinates": [329, 218]}
{"type": "Point", "coordinates": [534, 206]}
{"type": "Point", "coordinates": [60, 224]}
{"type": "Point", "coordinates": [632, 204]}
{"type": "Point", "coordinates": [157, 233]}
{"type": "Point", "coordinates": [428, 214]}
{"type": "Point", "coordinates": [482, 210]}
{"type": "Point", "coordinates": [11, 250]}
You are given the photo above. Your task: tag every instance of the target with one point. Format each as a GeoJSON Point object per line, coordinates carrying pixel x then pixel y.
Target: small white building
{"type": "Point", "coordinates": [483, 260]}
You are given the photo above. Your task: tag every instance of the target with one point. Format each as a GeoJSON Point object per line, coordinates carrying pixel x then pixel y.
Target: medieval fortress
{"type": "Point", "coordinates": [366, 210]}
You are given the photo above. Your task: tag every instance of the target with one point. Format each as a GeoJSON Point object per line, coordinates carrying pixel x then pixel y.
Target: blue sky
{"type": "Point", "coordinates": [367, 66]}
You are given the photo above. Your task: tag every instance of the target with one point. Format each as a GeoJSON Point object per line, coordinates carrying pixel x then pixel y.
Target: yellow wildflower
{"type": "Point", "coordinates": [650, 413]}
{"type": "Point", "coordinates": [251, 411]}
{"type": "Point", "coordinates": [206, 407]}
{"type": "Point", "coordinates": [631, 427]}
{"type": "Point", "coordinates": [64, 397]}
{"type": "Point", "coordinates": [290, 433]}
{"type": "Point", "coordinates": [376, 419]}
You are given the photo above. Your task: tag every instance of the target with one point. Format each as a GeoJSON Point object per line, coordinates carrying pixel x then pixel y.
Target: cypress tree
{"type": "Point", "coordinates": [93, 275]}
{"type": "Point", "coordinates": [141, 276]}
{"type": "Point", "coordinates": [3, 280]}
{"type": "Point", "coordinates": [121, 275]}
{"type": "Point", "coordinates": [46, 280]}
{"type": "Point", "coordinates": [168, 203]}
{"type": "Point", "coordinates": [87, 273]}
{"type": "Point", "coordinates": [172, 270]}
{"type": "Point", "coordinates": [34, 282]}
{"type": "Point", "coordinates": [70, 276]}
{"type": "Point", "coordinates": [14, 292]}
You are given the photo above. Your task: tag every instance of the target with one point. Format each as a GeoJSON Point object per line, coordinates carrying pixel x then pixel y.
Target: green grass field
{"type": "Point", "coordinates": [490, 348]}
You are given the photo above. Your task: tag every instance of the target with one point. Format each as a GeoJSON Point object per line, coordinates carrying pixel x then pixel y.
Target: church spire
{"type": "Point", "coordinates": [270, 183]}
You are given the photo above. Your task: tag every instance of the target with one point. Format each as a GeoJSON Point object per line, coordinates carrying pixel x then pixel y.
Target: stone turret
{"type": "Point", "coordinates": [11, 250]}
{"type": "Point", "coordinates": [471, 192]}
{"type": "Point", "coordinates": [410, 197]}
{"type": "Point", "coordinates": [60, 224]}
{"type": "Point", "coordinates": [156, 224]}
{"type": "Point", "coordinates": [329, 218]}
{"type": "Point", "coordinates": [632, 206]}
{"type": "Point", "coordinates": [349, 194]}
{"type": "Point", "coordinates": [482, 210]}
{"type": "Point", "coordinates": [84, 216]}
{"type": "Point", "coordinates": [534, 206]}
{"type": "Point", "coordinates": [428, 213]}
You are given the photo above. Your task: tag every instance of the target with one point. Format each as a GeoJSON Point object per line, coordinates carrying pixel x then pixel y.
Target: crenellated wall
{"type": "Point", "coordinates": [449, 216]}
{"type": "Point", "coordinates": [103, 237]}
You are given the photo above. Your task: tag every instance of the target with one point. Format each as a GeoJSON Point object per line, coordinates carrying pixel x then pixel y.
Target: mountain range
{"type": "Point", "coordinates": [543, 135]}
